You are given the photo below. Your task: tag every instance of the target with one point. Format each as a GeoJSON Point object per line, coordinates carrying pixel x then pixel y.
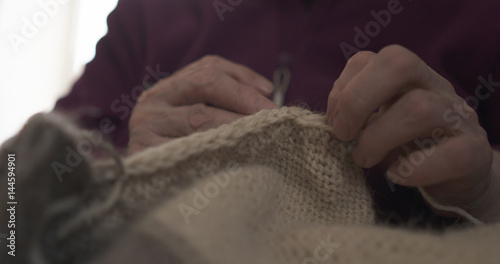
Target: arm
{"type": "Point", "coordinates": [114, 71]}
{"type": "Point", "coordinates": [144, 35]}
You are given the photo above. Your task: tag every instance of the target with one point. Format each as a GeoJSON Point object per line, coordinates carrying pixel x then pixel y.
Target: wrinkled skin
{"type": "Point", "coordinates": [397, 108]}
{"type": "Point", "coordinates": [401, 111]}
{"type": "Point", "coordinates": [205, 94]}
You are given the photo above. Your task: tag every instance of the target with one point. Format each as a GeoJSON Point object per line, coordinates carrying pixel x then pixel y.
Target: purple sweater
{"type": "Point", "coordinates": [149, 39]}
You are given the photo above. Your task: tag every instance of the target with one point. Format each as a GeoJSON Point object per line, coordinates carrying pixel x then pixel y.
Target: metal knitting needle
{"type": "Point", "coordinates": [281, 79]}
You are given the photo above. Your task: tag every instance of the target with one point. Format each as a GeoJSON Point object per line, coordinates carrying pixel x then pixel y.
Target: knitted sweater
{"type": "Point", "coordinates": [275, 187]}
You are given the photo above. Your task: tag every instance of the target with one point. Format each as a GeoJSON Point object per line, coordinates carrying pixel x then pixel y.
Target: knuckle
{"type": "Point", "coordinates": [394, 49]}
{"type": "Point", "coordinates": [199, 116]}
{"type": "Point", "coordinates": [243, 97]}
{"type": "Point", "coordinates": [146, 95]}
{"type": "Point", "coordinates": [204, 77]}
{"type": "Point", "coordinates": [419, 106]}
{"type": "Point", "coordinates": [447, 85]}
{"type": "Point", "coordinates": [210, 60]}
{"type": "Point", "coordinates": [360, 59]}
{"type": "Point", "coordinates": [163, 87]}
{"type": "Point", "coordinates": [351, 101]}
{"type": "Point", "coordinates": [399, 60]}
{"type": "Point", "coordinates": [145, 117]}
{"type": "Point", "coordinates": [471, 116]}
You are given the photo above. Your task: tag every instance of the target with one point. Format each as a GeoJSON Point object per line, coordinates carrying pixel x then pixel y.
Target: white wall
{"type": "Point", "coordinates": [43, 47]}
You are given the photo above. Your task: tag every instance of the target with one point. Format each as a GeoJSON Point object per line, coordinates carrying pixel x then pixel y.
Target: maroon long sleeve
{"type": "Point", "coordinates": [149, 39]}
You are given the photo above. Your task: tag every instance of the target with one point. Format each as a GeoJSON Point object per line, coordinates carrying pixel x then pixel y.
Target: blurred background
{"type": "Point", "coordinates": [44, 46]}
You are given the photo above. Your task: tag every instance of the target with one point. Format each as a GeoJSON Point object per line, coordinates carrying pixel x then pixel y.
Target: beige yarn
{"type": "Point", "coordinates": [275, 187]}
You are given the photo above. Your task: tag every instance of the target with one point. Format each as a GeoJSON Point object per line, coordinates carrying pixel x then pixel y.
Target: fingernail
{"type": "Point", "coordinates": [264, 85]}
{"type": "Point", "coordinates": [341, 128]}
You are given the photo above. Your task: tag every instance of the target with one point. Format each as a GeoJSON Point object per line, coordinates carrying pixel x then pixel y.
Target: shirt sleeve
{"type": "Point", "coordinates": [101, 98]}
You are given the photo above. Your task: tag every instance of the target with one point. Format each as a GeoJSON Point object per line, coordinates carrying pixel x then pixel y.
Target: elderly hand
{"type": "Point", "coordinates": [205, 94]}
{"type": "Point", "coordinates": [408, 119]}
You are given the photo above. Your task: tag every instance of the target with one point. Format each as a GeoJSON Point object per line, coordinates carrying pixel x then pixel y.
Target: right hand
{"type": "Point", "coordinates": [205, 94]}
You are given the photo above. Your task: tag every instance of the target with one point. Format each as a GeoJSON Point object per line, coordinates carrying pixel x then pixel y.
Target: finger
{"type": "Point", "coordinates": [240, 73]}
{"type": "Point", "coordinates": [455, 158]}
{"type": "Point", "coordinates": [418, 114]}
{"type": "Point", "coordinates": [353, 66]}
{"type": "Point", "coordinates": [393, 71]}
{"type": "Point", "coordinates": [223, 92]}
{"type": "Point", "coordinates": [142, 139]}
{"type": "Point", "coordinates": [185, 120]}
{"type": "Point", "coordinates": [177, 122]}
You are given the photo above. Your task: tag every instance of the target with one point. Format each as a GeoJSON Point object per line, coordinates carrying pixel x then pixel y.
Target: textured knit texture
{"type": "Point", "coordinates": [275, 187]}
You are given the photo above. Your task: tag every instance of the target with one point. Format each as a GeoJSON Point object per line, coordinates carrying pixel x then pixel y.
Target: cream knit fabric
{"type": "Point", "coordinates": [276, 187]}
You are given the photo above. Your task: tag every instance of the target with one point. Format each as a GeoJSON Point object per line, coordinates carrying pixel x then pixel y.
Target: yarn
{"type": "Point", "coordinates": [275, 187]}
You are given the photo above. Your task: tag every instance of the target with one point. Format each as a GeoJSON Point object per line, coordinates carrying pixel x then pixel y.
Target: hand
{"type": "Point", "coordinates": [205, 94]}
{"type": "Point", "coordinates": [409, 120]}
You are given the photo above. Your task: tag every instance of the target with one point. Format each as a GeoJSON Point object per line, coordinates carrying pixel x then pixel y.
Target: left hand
{"type": "Point", "coordinates": [408, 119]}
